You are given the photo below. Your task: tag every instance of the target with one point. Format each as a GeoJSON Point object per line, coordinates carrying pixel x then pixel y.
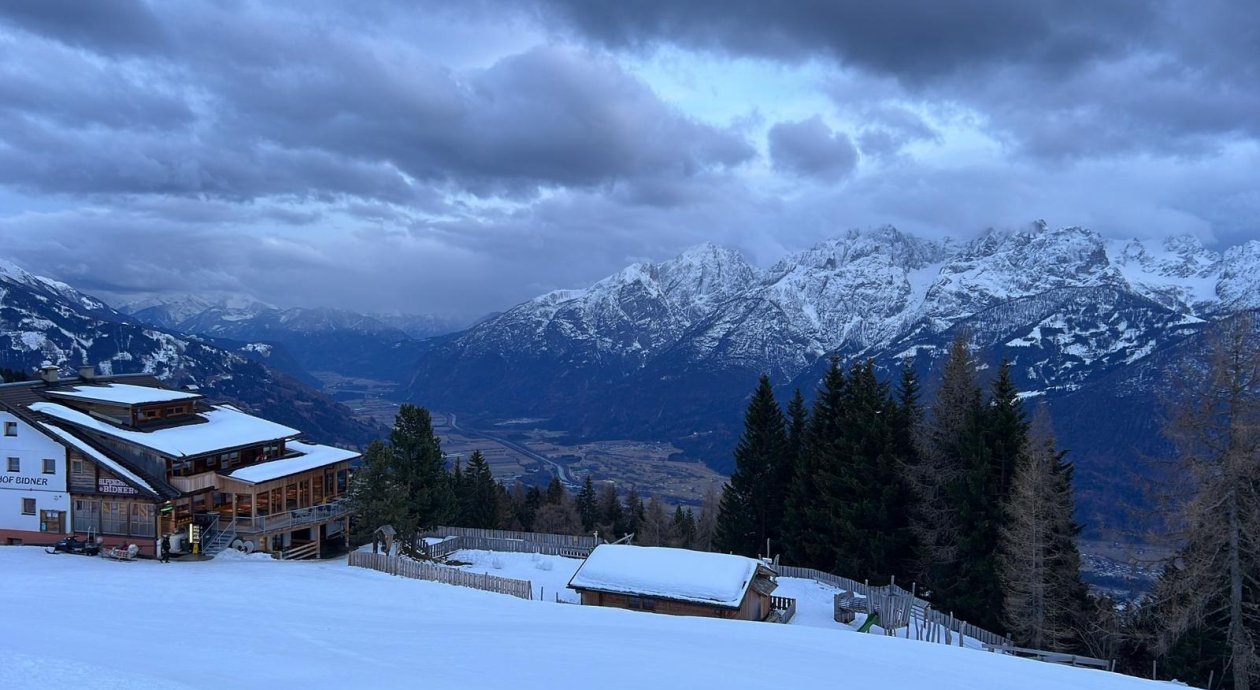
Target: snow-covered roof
{"type": "Point", "coordinates": [708, 578]}
{"type": "Point", "coordinates": [312, 456]}
{"type": "Point", "coordinates": [98, 457]}
{"type": "Point", "coordinates": [124, 394]}
{"type": "Point", "coordinates": [224, 427]}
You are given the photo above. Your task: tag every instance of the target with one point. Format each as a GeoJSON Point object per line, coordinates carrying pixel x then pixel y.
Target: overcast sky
{"type": "Point", "coordinates": [459, 157]}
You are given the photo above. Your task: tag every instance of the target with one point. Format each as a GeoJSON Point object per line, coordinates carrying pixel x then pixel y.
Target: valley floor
{"type": "Point", "coordinates": [248, 622]}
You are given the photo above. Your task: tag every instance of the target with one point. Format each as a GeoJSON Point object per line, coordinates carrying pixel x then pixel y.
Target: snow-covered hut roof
{"type": "Point", "coordinates": [312, 456]}
{"type": "Point", "coordinates": [224, 427]}
{"type": "Point", "coordinates": [109, 463]}
{"type": "Point", "coordinates": [708, 578]}
{"type": "Point", "coordinates": [123, 394]}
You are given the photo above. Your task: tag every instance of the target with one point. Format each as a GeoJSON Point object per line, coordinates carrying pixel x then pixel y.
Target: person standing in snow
{"type": "Point", "coordinates": [166, 548]}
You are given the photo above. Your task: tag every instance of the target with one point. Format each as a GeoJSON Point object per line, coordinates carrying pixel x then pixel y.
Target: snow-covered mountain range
{"type": "Point", "coordinates": [317, 339]}
{"type": "Point", "coordinates": [669, 350]}
{"type": "Point", "coordinates": [44, 320]}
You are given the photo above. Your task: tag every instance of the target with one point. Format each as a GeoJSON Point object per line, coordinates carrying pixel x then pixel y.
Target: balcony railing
{"type": "Point", "coordinates": [291, 519]}
{"type": "Point", "coordinates": [197, 482]}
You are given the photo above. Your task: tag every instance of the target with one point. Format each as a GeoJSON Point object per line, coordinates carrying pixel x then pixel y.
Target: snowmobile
{"type": "Point", "coordinates": [73, 545]}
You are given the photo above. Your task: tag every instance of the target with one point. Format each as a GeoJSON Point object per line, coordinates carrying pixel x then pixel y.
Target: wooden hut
{"type": "Point", "coordinates": [676, 581]}
{"type": "Point", "coordinates": [383, 537]}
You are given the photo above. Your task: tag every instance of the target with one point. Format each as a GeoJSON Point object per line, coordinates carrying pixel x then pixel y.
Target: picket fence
{"type": "Point", "coordinates": [899, 607]}
{"type": "Point", "coordinates": [457, 538]}
{"type": "Point", "coordinates": [418, 570]}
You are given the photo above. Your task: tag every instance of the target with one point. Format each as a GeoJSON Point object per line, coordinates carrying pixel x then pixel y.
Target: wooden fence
{"type": "Point", "coordinates": [418, 570]}
{"type": "Point", "coordinates": [503, 540]}
{"type": "Point", "coordinates": [900, 608]}
{"type": "Point", "coordinates": [585, 541]}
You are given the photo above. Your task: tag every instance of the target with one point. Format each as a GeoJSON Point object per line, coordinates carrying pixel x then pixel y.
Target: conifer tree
{"type": "Point", "coordinates": [682, 529]}
{"type": "Point", "coordinates": [481, 493]}
{"type": "Point", "coordinates": [375, 497]}
{"type": "Point", "coordinates": [612, 517]}
{"type": "Point", "coordinates": [807, 539]}
{"type": "Point", "coordinates": [587, 505]}
{"type": "Point", "coordinates": [556, 493]}
{"type": "Point", "coordinates": [1212, 589]}
{"type": "Point", "coordinates": [863, 489]}
{"type": "Point", "coordinates": [952, 435]}
{"type": "Point", "coordinates": [419, 467]}
{"type": "Point", "coordinates": [634, 512]}
{"type": "Point", "coordinates": [1045, 601]}
{"type": "Point", "coordinates": [751, 500]}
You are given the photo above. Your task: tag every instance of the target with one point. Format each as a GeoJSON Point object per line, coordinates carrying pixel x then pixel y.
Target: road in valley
{"type": "Point", "coordinates": [557, 470]}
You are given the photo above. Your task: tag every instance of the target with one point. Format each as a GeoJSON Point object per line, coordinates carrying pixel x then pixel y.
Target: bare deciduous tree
{"type": "Point", "coordinates": [1215, 426]}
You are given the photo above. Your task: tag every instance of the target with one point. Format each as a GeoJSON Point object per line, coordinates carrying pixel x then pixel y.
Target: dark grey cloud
{"type": "Point", "coordinates": [913, 39]}
{"type": "Point", "coordinates": [107, 26]}
{"type": "Point", "coordinates": [252, 109]}
{"type": "Point", "coordinates": [1072, 79]}
{"type": "Point", "coordinates": [810, 148]}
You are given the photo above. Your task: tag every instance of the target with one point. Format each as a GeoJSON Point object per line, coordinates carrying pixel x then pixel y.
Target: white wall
{"type": "Point", "coordinates": [31, 447]}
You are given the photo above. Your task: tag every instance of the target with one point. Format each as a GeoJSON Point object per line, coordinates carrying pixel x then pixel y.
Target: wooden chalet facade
{"type": "Point", "coordinates": [139, 461]}
{"type": "Point", "coordinates": [677, 582]}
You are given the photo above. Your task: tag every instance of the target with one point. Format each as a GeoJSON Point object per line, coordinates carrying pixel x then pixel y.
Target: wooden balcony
{"type": "Point", "coordinates": [197, 482]}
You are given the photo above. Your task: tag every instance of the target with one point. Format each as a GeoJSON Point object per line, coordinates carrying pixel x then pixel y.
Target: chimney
{"type": "Point", "coordinates": [87, 372]}
{"type": "Point", "coordinates": [48, 372]}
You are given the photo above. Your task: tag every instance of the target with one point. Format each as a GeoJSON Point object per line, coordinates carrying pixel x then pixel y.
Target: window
{"type": "Point", "coordinates": [28, 506]}
{"type": "Point", "coordinates": [50, 466]}
{"type": "Point", "coordinates": [76, 466]}
{"type": "Point", "coordinates": [52, 521]}
{"type": "Point", "coordinates": [10, 428]}
{"type": "Point", "coordinates": [642, 603]}
{"type": "Point", "coordinates": [15, 465]}
{"type": "Point", "coordinates": [150, 414]}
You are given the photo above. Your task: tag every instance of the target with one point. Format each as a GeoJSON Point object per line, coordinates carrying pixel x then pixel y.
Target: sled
{"type": "Point", "coordinates": [74, 546]}
{"type": "Point", "coordinates": [121, 553]}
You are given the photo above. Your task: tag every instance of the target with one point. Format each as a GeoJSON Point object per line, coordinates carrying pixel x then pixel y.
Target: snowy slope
{"type": "Point", "coordinates": [268, 624]}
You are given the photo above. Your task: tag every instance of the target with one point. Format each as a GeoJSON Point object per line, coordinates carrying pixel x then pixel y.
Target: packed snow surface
{"type": "Point", "coordinates": [223, 427]}
{"type": "Point", "coordinates": [256, 623]}
{"type": "Point", "coordinates": [124, 394]}
{"type": "Point", "coordinates": [710, 578]}
{"type": "Point", "coordinates": [312, 456]}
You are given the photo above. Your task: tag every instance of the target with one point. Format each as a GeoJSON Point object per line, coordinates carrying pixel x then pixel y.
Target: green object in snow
{"type": "Point", "coordinates": [872, 619]}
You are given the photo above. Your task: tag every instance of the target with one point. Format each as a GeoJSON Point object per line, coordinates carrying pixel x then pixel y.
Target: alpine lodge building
{"type": "Point", "coordinates": [126, 460]}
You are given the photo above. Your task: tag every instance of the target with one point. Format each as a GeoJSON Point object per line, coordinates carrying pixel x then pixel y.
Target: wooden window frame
{"type": "Point", "coordinates": [28, 502]}
{"type": "Point", "coordinates": [50, 466]}
{"type": "Point", "coordinates": [10, 428]}
{"type": "Point", "coordinates": [14, 464]}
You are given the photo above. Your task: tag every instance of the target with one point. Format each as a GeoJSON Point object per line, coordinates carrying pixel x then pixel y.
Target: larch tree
{"type": "Point", "coordinates": [1045, 601]}
{"type": "Point", "coordinates": [1214, 424]}
{"type": "Point", "coordinates": [751, 500]}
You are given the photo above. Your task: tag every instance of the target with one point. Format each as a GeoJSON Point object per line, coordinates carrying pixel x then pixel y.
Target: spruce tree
{"type": "Point", "coordinates": [375, 497]}
{"type": "Point", "coordinates": [634, 512]}
{"type": "Point", "coordinates": [952, 435]}
{"type": "Point", "coordinates": [807, 539]}
{"type": "Point", "coordinates": [587, 505]}
{"type": "Point", "coordinates": [419, 467]}
{"type": "Point", "coordinates": [751, 500]}
{"type": "Point", "coordinates": [556, 493]}
{"type": "Point", "coordinates": [863, 489]}
{"type": "Point", "coordinates": [612, 517]}
{"type": "Point", "coordinates": [481, 493]}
